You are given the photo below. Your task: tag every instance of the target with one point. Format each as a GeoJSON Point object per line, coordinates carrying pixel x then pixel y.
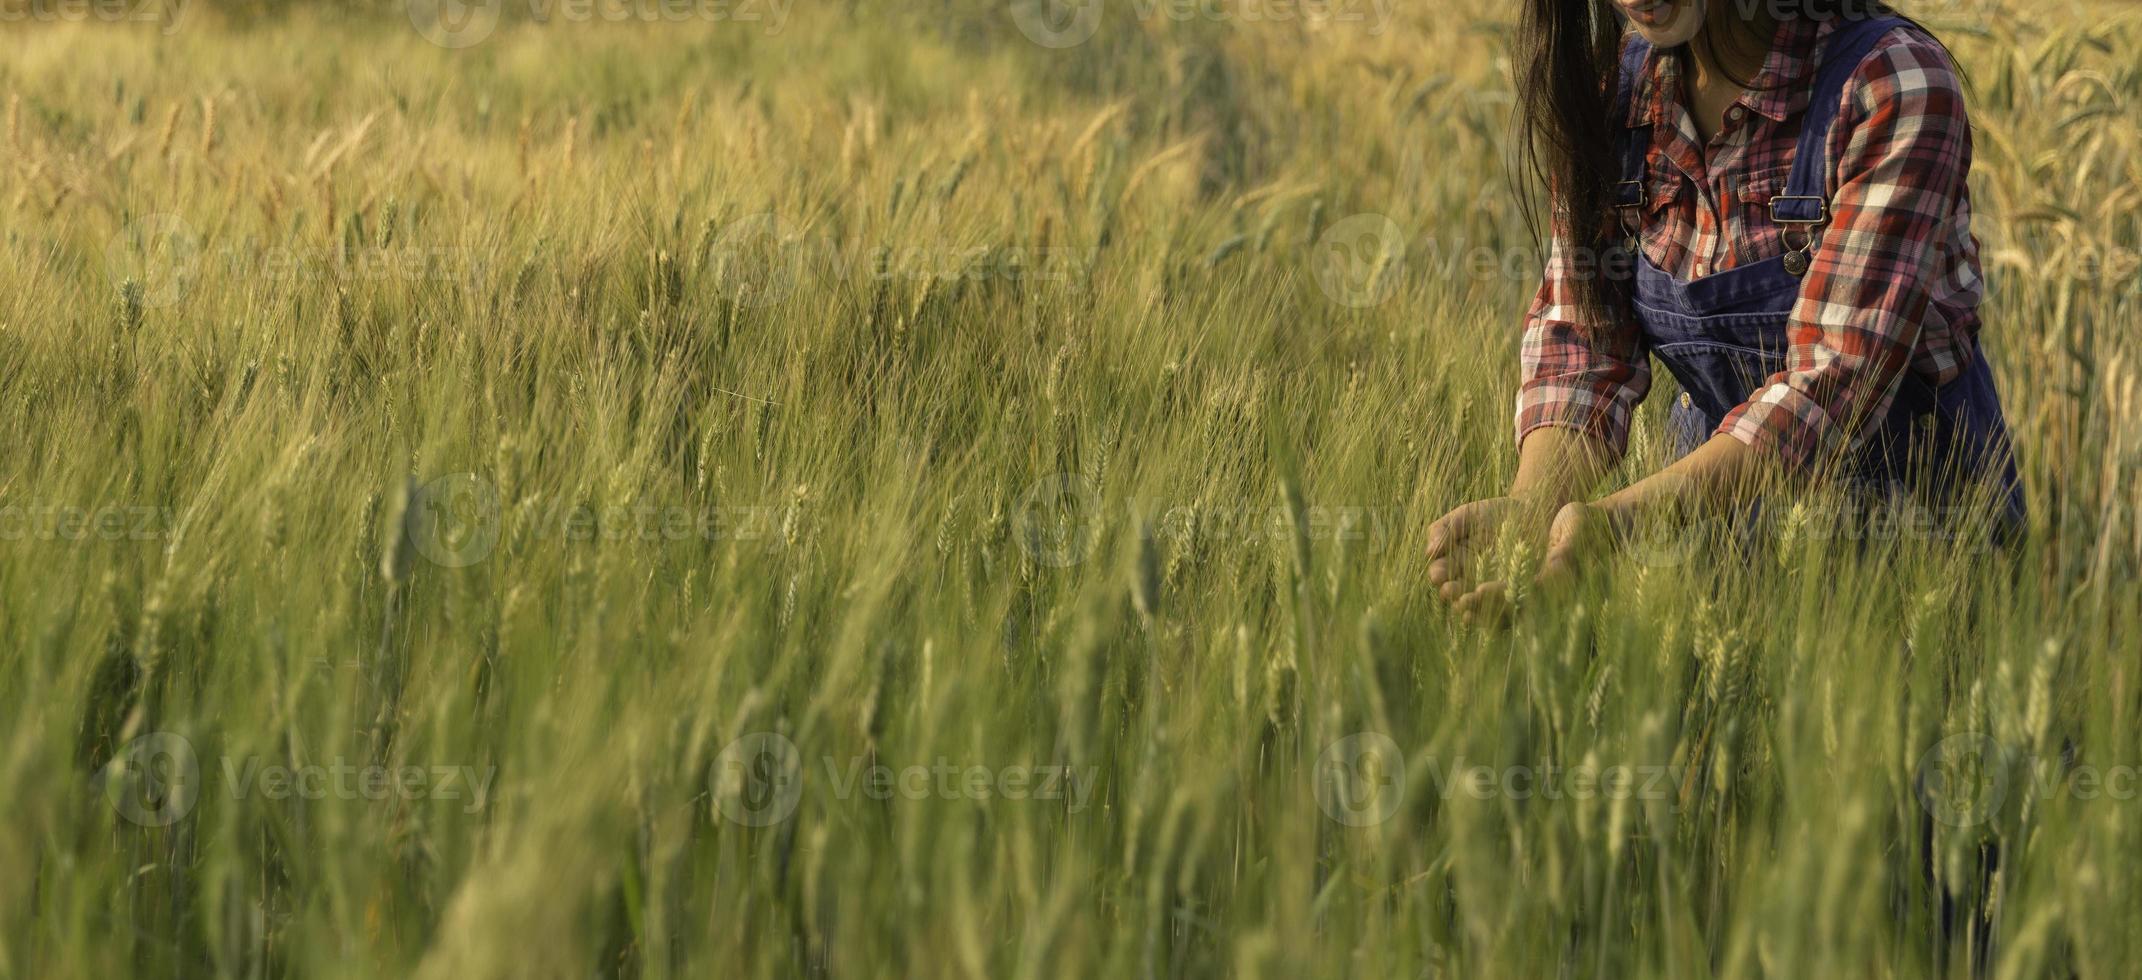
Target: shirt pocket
{"type": "Point", "coordinates": [1664, 188]}
{"type": "Point", "coordinates": [1665, 191]}
{"type": "Point", "coordinates": [1756, 236]}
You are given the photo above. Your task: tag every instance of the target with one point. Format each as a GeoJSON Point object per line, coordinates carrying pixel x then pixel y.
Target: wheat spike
{"type": "Point", "coordinates": [572, 140]}
{"type": "Point", "coordinates": [208, 126]}
{"type": "Point", "coordinates": [170, 130]}
{"type": "Point", "coordinates": [521, 142]}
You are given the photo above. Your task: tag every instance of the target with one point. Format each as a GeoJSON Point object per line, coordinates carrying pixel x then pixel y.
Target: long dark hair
{"type": "Point", "coordinates": [1569, 58]}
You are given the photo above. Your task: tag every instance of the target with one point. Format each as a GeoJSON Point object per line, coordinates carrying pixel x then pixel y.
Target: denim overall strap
{"type": "Point", "coordinates": [1806, 197]}
{"type": "Point", "coordinates": [1635, 141]}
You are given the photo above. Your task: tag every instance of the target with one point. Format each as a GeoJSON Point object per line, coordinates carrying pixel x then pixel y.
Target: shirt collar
{"type": "Point", "coordinates": [1778, 91]}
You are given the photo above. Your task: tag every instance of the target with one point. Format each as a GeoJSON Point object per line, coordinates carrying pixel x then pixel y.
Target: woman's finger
{"type": "Point", "coordinates": [1452, 566]}
{"type": "Point", "coordinates": [1567, 541]}
{"type": "Point", "coordinates": [1479, 598]}
{"type": "Point", "coordinates": [1453, 528]}
{"type": "Point", "coordinates": [1490, 603]}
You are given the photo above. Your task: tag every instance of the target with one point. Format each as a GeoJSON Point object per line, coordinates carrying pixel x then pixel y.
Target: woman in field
{"type": "Point", "coordinates": [1769, 197]}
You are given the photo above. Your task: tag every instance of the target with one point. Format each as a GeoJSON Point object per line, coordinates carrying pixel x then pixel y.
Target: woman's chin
{"type": "Point", "coordinates": [1670, 35]}
{"type": "Point", "coordinates": [1669, 26]}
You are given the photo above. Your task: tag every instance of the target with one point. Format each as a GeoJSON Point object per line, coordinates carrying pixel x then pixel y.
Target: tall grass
{"type": "Point", "coordinates": [569, 410]}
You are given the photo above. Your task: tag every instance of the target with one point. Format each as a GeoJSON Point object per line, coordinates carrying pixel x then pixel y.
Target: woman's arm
{"type": "Point", "coordinates": [1880, 262]}
{"type": "Point", "coordinates": [1716, 478]}
{"type": "Point", "coordinates": [1583, 378]}
{"type": "Point", "coordinates": [1583, 371]}
{"type": "Point", "coordinates": [1556, 465]}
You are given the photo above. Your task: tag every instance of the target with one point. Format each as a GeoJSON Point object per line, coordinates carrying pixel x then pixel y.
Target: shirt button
{"type": "Point", "coordinates": [1736, 113]}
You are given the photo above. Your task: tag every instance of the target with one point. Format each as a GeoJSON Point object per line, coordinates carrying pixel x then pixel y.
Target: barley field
{"type": "Point", "coordinates": [839, 488]}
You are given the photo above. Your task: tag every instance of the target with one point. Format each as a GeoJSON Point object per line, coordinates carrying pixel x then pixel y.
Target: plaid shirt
{"type": "Point", "coordinates": [1894, 284]}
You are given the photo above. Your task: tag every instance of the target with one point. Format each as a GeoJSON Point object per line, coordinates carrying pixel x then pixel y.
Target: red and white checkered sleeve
{"type": "Point", "coordinates": [1581, 372]}
{"type": "Point", "coordinates": [1901, 178]}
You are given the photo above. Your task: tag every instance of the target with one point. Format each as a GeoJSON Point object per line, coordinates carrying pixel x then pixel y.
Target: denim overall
{"type": "Point", "coordinates": [1722, 336]}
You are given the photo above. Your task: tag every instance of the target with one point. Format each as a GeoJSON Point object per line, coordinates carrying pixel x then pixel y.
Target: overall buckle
{"type": "Point", "coordinates": [1634, 228]}
{"type": "Point", "coordinates": [1799, 260]}
{"type": "Point", "coordinates": [1822, 209]}
{"type": "Point", "coordinates": [1622, 194]}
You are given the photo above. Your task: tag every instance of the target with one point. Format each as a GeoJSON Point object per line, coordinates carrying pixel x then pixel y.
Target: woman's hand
{"type": "Point", "coordinates": [1462, 545]}
{"type": "Point", "coordinates": [1721, 474]}
{"type": "Point", "coordinates": [1582, 536]}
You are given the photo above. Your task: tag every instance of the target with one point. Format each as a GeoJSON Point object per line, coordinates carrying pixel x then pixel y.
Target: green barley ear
{"type": "Point", "coordinates": [208, 126]}
{"type": "Point", "coordinates": [1517, 561]}
{"type": "Point", "coordinates": [130, 307]}
{"type": "Point", "coordinates": [389, 215]}
{"type": "Point", "coordinates": [396, 547]}
{"type": "Point", "coordinates": [169, 131]}
{"type": "Point", "coordinates": [1224, 251]}
{"type": "Point", "coordinates": [377, 509]}
{"type": "Point", "coordinates": [1145, 592]}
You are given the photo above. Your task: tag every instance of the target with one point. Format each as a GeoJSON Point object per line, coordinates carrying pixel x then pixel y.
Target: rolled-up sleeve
{"type": "Point", "coordinates": [1901, 176]}
{"type": "Point", "coordinates": [1581, 371]}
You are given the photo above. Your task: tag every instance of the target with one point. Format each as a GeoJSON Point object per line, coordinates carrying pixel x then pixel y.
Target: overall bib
{"type": "Point", "coordinates": [1724, 335]}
